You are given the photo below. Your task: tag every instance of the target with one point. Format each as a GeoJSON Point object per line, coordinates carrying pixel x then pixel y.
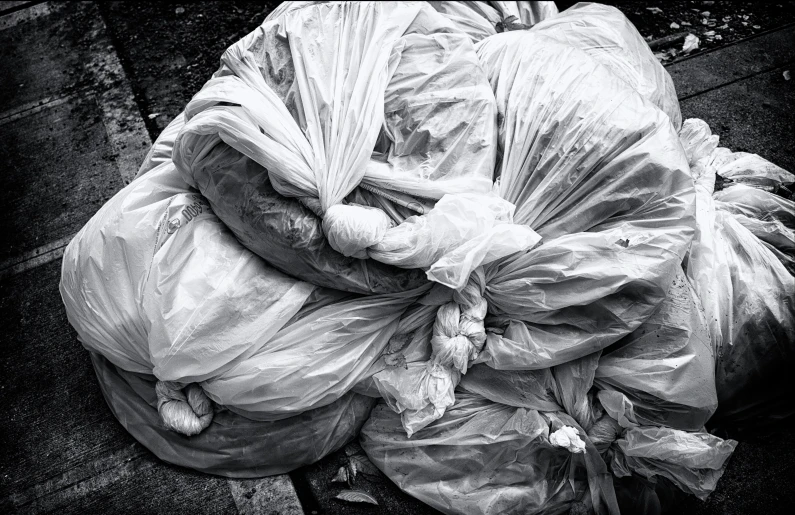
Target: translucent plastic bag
{"type": "Point", "coordinates": [605, 34]}
{"type": "Point", "coordinates": [609, 191]}
{"type": "Point", "coordinates": [487, 458]}
{"type": "Point", "coordinates": [400, 66]}
{"type": "Point", "coordinates": [750, 170]}
{"type": "Point", "coordinates": [284, 232]}
{"type": "Point", "coordinates": [599, 173]}
{"type": "Point", "coordinates": [157, 284]}
{"type": "Point", "coordinates": [233, 446]}
{"type": "Point", "coordinates": [747, 295]}
{"type": "Point", "coordinates": [666, 366]}
{"type": "Point", "coordinates": [768, 216]}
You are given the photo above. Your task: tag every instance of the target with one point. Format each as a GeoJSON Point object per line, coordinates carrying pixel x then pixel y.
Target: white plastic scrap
{"type": "Point", "coordinates": [691, 43]}
{"type": "Point", "coordinates": [569, 438]}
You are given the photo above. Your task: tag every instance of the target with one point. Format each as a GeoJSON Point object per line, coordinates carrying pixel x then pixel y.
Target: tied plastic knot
{"type": "Point", "coordinates": [569, 438]}
{"type": "Point", "coordinates": [351, 228]}
{"type": "Point", "coordinates": [185, 410]}
{"type": "Point", "coordinates": [459, 333]}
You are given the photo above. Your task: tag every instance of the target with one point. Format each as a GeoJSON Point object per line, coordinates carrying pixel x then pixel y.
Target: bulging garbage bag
{"type": "Point", "coordinates": [487, 458]}
{"type": "Point", "coordinates": [599, 172]}
{"type": "Point", "coordinates": [284, 232]}
{"type": "Point", "coordinates": [402, 67]}
{"type": "Point", "coordinates": [156, 284]}
{"type": "Point", "coordinates": [751, 170]}
{"type": "Point", "coordinates": [747, 295]}
{"type": "Point", "coordinates": [233, 445]}
{"type": "Point", "coordinates": [604, 33]}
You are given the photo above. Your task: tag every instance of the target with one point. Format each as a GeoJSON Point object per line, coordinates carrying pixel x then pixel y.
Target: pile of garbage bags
{"type": "Point", "coordinates": [476, 236]}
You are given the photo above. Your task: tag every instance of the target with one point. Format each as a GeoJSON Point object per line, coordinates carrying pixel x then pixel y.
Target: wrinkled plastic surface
{"type": "Point", "coordinates": [599, 173]}
{"type": "Point", "coordinates": [233, 446]}
{"type": "Point", "coordinates": [693, 461]}
{"type": "Point", "coordinates": [284, 232]}
{"type": "Point", "coordinates": [357, 67]}
{"type": "Point", "coordinates": [480, 20]}
{"type": "Point", "coordinates": [609, 191]}
{"type": "Point", "coordinates": [158, 285]}
{"type": "Point", "coordinates": [487, 458]}
{"type": "Point", "coordinates": [747, 295]}
{"type": "Point", "coordinates": [666, 366]}
{"type": "Point", "coordinates": [768, 216]}
{"type": "Point", "coordinates": [604, 33]}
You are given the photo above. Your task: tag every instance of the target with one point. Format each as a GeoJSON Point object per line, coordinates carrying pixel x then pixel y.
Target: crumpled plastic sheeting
{"type": "Point", "coordinates": [486, 458]}
{"type": "Point", "coordinates": [284, 232]}
{"type": "Point", "coordinates": [616, 213]}
{"type": "Point", "coordinates": [747, 296]}
{"type": "Point", "coordinates": [693, 461]}
{"type": "Point", "coordinates": [750, 169]}
{"type": "Point", "coordinates": [666, 366]}
{"type": "Point", "coordinates": [605, 34]}
{"type": "Point", "coordinates": [768, 216]}
{"type": "Point", "coordinates": [437, 150]}
{"type": "Point", "coordinates": [233, 446]}
{"type": "Point", "coordinates": [480, 20]}
{"type": "Point", "coordinates": [158, 285]}
{"type": "Point", "coordinates": [600, 174]}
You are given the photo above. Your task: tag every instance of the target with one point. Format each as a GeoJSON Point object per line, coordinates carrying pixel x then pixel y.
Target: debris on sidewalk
{"type": "Point", "coordinates": [690, 44]}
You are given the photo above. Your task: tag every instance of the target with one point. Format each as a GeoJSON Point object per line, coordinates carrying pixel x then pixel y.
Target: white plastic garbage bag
{"type": "Point", "coordinates": [768, 216]}
{"type": "Point", "coordinates": [599, 172]}
{"type": "Point", "coordinates": [358, 67]}
{"type": "Point", "coordinates": [156, 284]}
{"type": "Point", "coordinates": [233, 445]}
{"type": "Point", "coordinates": [747, 296]}
{"type": "Point", "coordinates": [488, 458]}
{"type": "Point", "coordinates": [604, 33]}
{"type": "Point", "coordinates": [667, 365]}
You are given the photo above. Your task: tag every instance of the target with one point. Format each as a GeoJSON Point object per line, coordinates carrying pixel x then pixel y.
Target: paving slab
{"type": "Point", "coordinates": [751, 115]}
{"type": "Point", "coordinates": [704, 72]}
{"type": "Point", "coordinates": [71, 131]}
{"type": "Point", "coordinates": [59, 170]}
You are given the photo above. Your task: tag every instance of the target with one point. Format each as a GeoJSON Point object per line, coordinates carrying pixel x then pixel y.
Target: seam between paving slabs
{"type": "Point", "coordinates": [20, 7]}
{"type": "Point", "coordinates": [740, 79]}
